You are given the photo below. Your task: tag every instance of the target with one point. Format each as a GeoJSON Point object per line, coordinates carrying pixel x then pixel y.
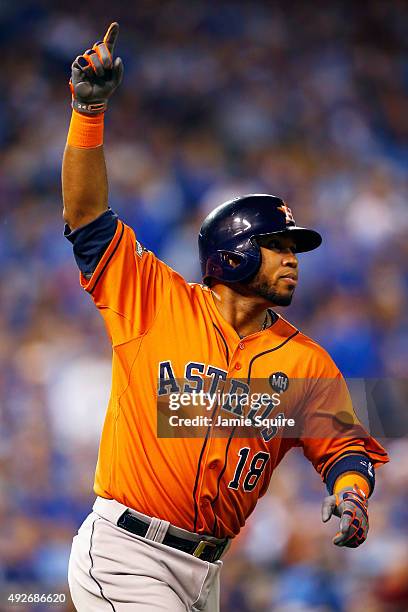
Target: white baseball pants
{"type": "Point", "coordinates": [113, 570]}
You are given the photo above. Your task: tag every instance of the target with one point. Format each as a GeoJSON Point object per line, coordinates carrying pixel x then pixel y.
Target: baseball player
{"type": "Point", "coordinates": [167, 507]}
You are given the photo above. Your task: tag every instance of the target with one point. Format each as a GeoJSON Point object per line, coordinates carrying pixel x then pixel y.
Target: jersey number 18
{"type": "Point", "coordinates": [254, 473]}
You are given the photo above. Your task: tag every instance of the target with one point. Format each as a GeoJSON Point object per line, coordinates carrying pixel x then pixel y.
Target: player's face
{"type": "Point", "coordinates": [277, 277]}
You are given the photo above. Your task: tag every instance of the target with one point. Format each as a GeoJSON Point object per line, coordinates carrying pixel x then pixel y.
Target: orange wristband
{"type": "Point", "coordinates": [349, 480]}
{"type": "Point", "coordinates": [85, 131]}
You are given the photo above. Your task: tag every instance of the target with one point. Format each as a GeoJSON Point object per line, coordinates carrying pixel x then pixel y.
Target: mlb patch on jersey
{"type": "Point", "coordinates": [139, 249]}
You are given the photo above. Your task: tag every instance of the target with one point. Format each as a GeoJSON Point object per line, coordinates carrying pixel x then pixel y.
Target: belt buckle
{"type": "Point", "coordinates": [201, 546]}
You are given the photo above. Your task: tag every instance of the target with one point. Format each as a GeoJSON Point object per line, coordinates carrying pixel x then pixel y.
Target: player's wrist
{"type": "Point", "coordinates": [351, 480]}
{"type": "Point", "coordinates": [92, 109]}
{"type": "Point", "coordinates": [86, 131]}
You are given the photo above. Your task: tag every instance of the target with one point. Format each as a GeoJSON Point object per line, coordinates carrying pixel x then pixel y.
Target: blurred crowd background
{"type": "Point", "coordinates": [306, 100]}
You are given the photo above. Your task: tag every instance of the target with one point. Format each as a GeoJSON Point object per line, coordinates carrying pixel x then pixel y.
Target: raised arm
{"type": "Point", "coordinates": [95, 76]}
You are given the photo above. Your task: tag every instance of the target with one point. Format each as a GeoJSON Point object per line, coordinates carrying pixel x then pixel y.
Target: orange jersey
{"type": "Point", "coordinates": [164, 330]}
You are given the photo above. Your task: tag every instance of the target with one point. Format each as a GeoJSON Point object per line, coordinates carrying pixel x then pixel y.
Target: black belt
{"type": "Point", "coordinates": [205, 550]}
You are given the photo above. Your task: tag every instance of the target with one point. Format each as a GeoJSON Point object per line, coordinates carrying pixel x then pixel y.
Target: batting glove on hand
{"type": "Point", "coordinates": [95, 75]}
{"type": "Point", "coordinates": [351, 506]}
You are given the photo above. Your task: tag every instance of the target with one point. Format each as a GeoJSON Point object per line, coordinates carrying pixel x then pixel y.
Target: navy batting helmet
{"type": "Point", "coordinates": [232, 229]}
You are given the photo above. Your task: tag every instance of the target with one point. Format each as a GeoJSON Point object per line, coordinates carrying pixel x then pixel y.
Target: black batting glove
{"type": "Point", "coordinates": [95, 75]}
{"type": "Point", "coordinates": [351, 506]}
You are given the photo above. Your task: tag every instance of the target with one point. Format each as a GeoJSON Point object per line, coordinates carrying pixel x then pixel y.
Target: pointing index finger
{"type": "Point", "coordinates": [111, 36]}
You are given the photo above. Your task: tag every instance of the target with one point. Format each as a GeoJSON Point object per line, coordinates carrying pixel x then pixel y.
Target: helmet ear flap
{"type": "Point", "coordinates": [230, 259]}
{"type": "Point", "coordinates": [232, 266]}
{"type": "Point", "coordinates": [222, 264]}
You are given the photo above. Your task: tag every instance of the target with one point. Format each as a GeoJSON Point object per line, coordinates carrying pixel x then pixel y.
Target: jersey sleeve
{"type": "Point", "coordinates": [90, 241]}
{"type": "Point", "coordinates": [330, 428]}
{"type": "Point", "coordinates": [128, 284]}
